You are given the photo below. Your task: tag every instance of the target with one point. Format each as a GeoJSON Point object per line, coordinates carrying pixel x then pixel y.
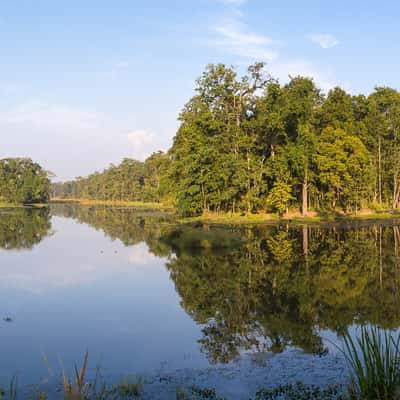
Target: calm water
{"type": "Point", "coordinates": [142, 294]}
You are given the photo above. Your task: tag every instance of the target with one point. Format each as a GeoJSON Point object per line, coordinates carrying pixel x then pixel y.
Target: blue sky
{"type": "Point", "coordinates": [85, 83]}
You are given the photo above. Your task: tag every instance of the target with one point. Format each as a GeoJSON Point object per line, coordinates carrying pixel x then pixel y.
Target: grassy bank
{"type": "Point", "coordinates": [291, 217]}
{"type": "Point", "coordinates": [241, 218]}
{"type": "Point", "coordinates": [15, 205]}
{"type": "Point", "coordinates": [137, 204]}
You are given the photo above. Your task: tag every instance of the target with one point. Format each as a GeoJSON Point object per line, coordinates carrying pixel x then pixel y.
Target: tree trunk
{"type": "Point", "coordinates": [380, 258]}
{"type": "Point", "coordinates": [379, 171]}
{"type": "Point", "coordinates": [304, 208]}
{"type": "Point", "coordinates": [305, 240]}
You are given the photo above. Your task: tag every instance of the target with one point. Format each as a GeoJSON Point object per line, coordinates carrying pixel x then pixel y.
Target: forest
{"type": "Point", "coordinates": [23, 181]}
{"type": "Point", "coordinates": [249, 144]}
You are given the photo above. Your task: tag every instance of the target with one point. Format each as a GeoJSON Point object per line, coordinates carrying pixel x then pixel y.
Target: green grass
{"type": "Point", "coordinates": [234, 219]}
{"type": "Point", "coordinates": [237, 219]}
{"type": "Point", "coordinates": [374, 361]}
{"type": "Point", "coordinates": [11, 392]}
{"type": "Point", "coordinates": [137, 204]}
{"type": "Point", "coordinates": [8, 205]}
{"type": "Point", "coordinates": [383, 215]}
{"type": "Point", "coordinates": [14, 205]}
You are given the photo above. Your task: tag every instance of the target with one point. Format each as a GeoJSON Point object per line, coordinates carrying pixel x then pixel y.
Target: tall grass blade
{"type": "Point", "coordinates": [374, 361]}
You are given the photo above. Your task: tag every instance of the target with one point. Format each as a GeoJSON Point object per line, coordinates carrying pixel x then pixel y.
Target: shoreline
{"type": "Point", "coordinates": [121, 203]}
{"type": "Point", "coordinates": [228, 218]}
{"type": "Point", "coordinates": [33, 205]}
{"type": "Point", "coordinates": [296, 218]}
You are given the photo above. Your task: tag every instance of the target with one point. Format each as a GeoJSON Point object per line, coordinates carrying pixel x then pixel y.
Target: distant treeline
{"type": "Point", "coordinates": [23, 181]}
{"type": "Point", "coordinates": [250, 144]}
{"type": "Point", "coordinates": [131, 180]}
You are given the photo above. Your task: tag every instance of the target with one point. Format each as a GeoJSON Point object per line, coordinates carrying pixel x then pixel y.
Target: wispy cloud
{"type": "Point", "coordinates": [324, 40]}
{"type": "Point", "coordinates": [234, 38]}
{"type": "Point", "coordinates": [143, 143]}
{"type": "Point", "coordinates": [285, 68]}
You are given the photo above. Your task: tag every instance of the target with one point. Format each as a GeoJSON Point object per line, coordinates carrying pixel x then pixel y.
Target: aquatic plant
{"type": "Point", "coordinates": [301, 391]}
{"type": "Point", "coordinates": [197, 393]}
{"type": "Point", "coordinates": [374, 361]}
{"type": "Point", "coordinates": [12, 392]}
{"type": "Point", "coordinates": [77, 389]}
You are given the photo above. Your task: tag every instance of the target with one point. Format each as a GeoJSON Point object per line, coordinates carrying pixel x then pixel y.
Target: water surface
{"type": "Point", "coordinates": [144, 294]}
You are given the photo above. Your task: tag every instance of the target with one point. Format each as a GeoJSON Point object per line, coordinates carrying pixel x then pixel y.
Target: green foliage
{"type": "Point", "coordinates": [342, 161]}
{"type": "Point", "coordinates": [187, 238]}
{"type": "Point", "coordinates": [11, 393]}
{"type": "Point", "coordinates": [23, 228]}
{"type": "Point", "coordinates": [77, 388]}
{"type": "Point", "coordinates": [132, 180]}
{"type": "Point", "coordinates": [374, 360]}
{"type": "Point", "coordinates": [244, 141]}
{"type": "Point", "coordinates": [197, 393]}
{"type": "Point", "coordinates": [279, 197]}
{"type": "Point", "coordinates": [23, 181]}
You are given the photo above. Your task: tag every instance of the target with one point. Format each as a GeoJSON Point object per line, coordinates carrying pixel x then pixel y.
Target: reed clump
{"type": "Point", "coordinates": [374, 361]}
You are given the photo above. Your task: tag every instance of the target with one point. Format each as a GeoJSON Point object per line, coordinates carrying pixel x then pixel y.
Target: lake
{"type": "Point", "coordinates": [146, 295]}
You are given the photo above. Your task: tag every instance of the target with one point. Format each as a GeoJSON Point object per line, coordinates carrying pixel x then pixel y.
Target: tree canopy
{"type": "Point", "coordinates": [23, 181]}
{"type": "Point", "coordinates": [250, 144]}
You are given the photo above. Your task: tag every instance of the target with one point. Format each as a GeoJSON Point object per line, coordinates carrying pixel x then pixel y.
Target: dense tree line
{"type": "Point", "coordinates": [23, 181]}
{"type": "Point", "coordinates": [131, 180]}
{"type": "Point", "coordinates": [250, 144]}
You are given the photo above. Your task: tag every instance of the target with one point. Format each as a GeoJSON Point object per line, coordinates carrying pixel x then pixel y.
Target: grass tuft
{"type": "Point", "coordinates": [77, 389]}
{"type": "Point", "coordinates": [374, 360]}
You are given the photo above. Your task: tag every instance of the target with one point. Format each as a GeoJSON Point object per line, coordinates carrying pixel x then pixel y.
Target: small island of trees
{"type": "Point", "coordinates": [250, 144]}
{"type": "Point", "coordinates": [23, 181]}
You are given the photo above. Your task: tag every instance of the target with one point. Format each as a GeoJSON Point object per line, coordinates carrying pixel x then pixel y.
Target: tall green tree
{"type": "Point", "coordinates": [23, 181]}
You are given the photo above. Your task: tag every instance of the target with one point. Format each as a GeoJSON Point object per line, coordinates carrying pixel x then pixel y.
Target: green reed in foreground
{"type": "Point", "coordinates": [11, 393]}
{"type": "Point", "coordinates": [374, 360]}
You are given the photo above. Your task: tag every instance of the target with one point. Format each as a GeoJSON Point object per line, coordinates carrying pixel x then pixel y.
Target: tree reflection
{"type": "Point", "coordinates": [280, 288]}
{"type": "Point", "coordinates": [126, 224]}
{"type": "Point", "coordinates": [265, 288]}
{"type": "Point", "coordinates": [23, 228]}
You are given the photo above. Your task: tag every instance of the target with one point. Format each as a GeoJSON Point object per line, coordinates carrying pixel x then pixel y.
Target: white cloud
{"type": "Point", "coordinates": [234, 38]}
{"type": "Point", "coordinates": [324, 40]}
{"type": "Point", "coordinates": [84, 266]}
{"type": "Point", "coordinates": [141, 256]}
{"type": "Point", "coordinates": [143, 143]}
{"type": "Point", "coordinates": [283, 69]}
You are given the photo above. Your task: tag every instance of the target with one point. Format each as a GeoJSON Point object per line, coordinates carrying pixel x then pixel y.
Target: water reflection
{"type": "Point", "coordinates": [270, 287]}
{"type": "Point", "coordinates": [245, 289]}
{"type": "Point", "coordinates": [128, 225]}
{"type": "Point", "coordinates": [23, 228]}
